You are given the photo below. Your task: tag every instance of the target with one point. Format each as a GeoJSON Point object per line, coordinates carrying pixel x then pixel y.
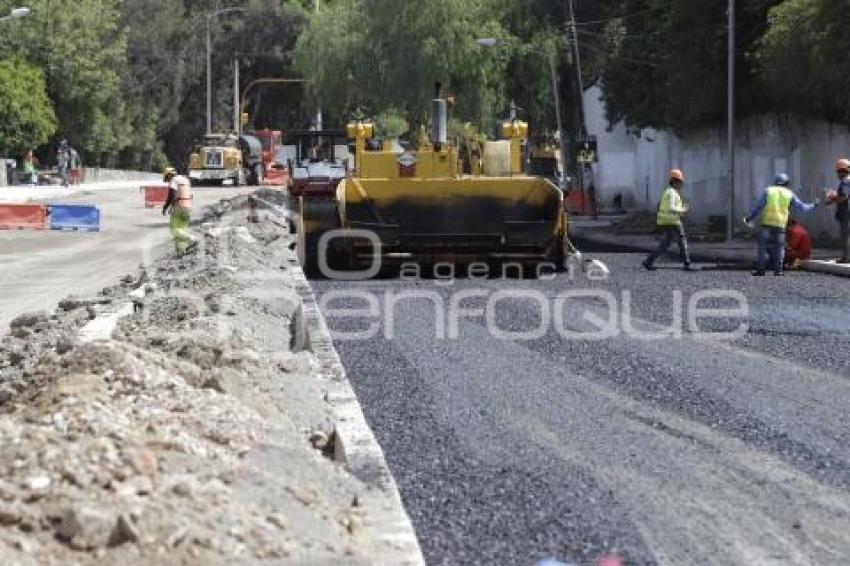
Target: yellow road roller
{"type": "Point", "coordinates": [397, 205]}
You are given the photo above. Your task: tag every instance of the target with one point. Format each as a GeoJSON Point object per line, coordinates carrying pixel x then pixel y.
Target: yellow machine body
{"type": "Point", "coordinates": [419, 206]}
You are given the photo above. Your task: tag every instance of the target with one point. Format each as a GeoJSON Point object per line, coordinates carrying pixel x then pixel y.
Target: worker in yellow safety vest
{"type": "Point", "coordinates": [179, 201]}
{"type": "Point", "coordinates": [774, 205]}
{"type": "Point", "coordinates": [671, 208]}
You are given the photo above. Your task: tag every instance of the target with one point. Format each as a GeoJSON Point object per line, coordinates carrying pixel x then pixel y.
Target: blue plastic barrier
{"type": "Point", "coordinates": [79, 217]}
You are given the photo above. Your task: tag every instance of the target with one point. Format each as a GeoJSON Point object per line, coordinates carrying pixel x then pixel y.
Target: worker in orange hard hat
{"type": "Point", "coordinates": [179, 202]}
{"type": "Point", "coordinates": [671, 208]}
{"type": "Point", "coordinates": [840, 198]}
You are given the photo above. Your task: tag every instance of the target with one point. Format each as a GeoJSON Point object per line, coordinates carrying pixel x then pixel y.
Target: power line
{"type": "Point", "coordinates": [602, 51]}
{"type": "Point", "coordinates": [623, 16]}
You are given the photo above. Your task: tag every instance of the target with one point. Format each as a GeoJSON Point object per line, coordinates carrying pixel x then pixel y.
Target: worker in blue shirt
{"type": "Point", "coordinates": [842, 207]}
{"type": "Point", "coordinates": [774, 206]}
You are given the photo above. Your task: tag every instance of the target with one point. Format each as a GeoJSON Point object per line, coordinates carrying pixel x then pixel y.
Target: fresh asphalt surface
{"type": "Point", "coordinates": [675, 451]}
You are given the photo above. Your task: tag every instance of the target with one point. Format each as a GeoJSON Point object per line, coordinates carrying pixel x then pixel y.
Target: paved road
{"type": "Point", "coordinates": [39, 268]}
{"type": "Point", "coordinates": [677, 451]}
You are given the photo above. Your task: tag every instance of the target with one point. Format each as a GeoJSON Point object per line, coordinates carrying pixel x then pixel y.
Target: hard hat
{"type": "Point", "coordinates": [168, 173]}
{"type": "Point", "coordinates": [842, 165]}
{"type": "Point", "coordinates": [677, 175]}
{"type": "Point", "coordinates": [782, 180]}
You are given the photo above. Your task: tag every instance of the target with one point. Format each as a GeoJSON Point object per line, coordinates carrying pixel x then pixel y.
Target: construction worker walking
{"type": "Point", "coordinates": [671, 208]}
{"type": "Point", "coordinates": [774, 205]}
{"type": "Point", "coordinates": [179, 201]}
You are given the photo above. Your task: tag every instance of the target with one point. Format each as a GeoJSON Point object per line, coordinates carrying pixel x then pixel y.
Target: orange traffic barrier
{"type": "Point", "coordinates": [276, 178]}
{"type": "Point", "coordinates": [23, 217]}
{"type": "Point", "coordinates": [155, 195]}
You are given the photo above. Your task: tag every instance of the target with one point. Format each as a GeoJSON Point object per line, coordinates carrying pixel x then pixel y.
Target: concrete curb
{"type": "Point", "coordinates": [826, 266]}
{"type": "Point", "coordinates": [355, 444]}
{"type": "Point", "coordinates": [707, 256]}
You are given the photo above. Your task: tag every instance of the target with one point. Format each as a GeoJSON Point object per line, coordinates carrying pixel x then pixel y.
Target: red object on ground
{"type": "Point", "coordinates": [276, 178]}
{"type": "Point", "coordinates": [798, 243]}
{"type": "Point", "coordinates": [610, 560]}
{"type": "Point", "coordinates": [155, 195]}
{"type": "Point", "coordinates": [577, 202]}
{"type": "Point", "coordinates": [76, 176]}
{"type": "Point", "coordinates": [23, 217]}
{"type": "Point", "coordinates": [272, 141]}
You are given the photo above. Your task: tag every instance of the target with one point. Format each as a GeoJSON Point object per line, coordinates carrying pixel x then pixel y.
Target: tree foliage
{"type": "Point", "coordinates": [377, 54]}
{"type": "Point", "coordinates": [804, 58]}
{"type": "Point", "coordinates": [128, 79]}
{"type": "Point", "coordinates": [125, 81]}
{"type": "Point", "coordinates": [666, 62]}
{"type": "Point", "coordinates": [27, 119]}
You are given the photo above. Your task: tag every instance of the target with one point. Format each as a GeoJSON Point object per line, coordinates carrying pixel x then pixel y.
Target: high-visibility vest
{"type": "Point", "coordinates": [777, 207]}
{"type": "Point", "coordinates": [184, 191]}
{"type": "Point", "coordinates": [666, 213]}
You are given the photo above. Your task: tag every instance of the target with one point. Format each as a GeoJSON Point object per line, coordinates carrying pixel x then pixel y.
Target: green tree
{"type": "Point", "coordinates": [803, 58]}
{"type": "Point", "coordinates": [665, 62]}
{"type": "Point", "coordinates": [375, 54]}
{"type": "Point", "coordinates": [81, 46]}
{"type": "Point", "coordinates": [27, 119]}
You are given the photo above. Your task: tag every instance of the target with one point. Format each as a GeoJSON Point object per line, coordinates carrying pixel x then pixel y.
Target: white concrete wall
{"type": "Point", "coordinates": [637, 165]}
{"type": "Point", "coordinates": [98, 175]}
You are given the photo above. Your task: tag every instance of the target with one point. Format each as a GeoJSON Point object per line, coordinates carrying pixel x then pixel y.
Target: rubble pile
{"type": "Point", "coordinates": [196, 435]}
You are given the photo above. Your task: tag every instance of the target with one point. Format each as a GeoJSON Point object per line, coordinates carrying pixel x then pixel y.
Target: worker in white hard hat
{"type": "Point", "coordinates": [671, 209]}
{"type": "Point", "coordinates": [179, 201]}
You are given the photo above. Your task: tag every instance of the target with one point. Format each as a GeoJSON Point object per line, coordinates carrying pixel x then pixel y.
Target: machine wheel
{"type": "Point", "coordinates": [308, 249]}
{"type": "Point", "coordinates": [314, 219]}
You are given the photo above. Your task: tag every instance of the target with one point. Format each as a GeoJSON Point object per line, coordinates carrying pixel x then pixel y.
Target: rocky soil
{"type": "Point", "coordinates": [197, 434]}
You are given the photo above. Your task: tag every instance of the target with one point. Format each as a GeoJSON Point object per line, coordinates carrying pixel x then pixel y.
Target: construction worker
{"type": "Point", "coordinates": [63, 162]}
{"type": "Point", "coordinates": [179, 201]}
{"type": "Point", "coordinates": [842, 208]}
{"type": "Point", "coordinates": [774, 205]}
{"type": "Point", "coordinates": [671, 208]}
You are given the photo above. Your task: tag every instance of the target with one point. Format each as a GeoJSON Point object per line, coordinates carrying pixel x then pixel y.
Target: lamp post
{"type": "Point", "coordinates": [493, 42]}
{"type": "Point", "coordinates": [210, 16]}
{"type": "Point", "coordinates": [731, 126]}
{"type": "Point", "coordinates": [16, 14]}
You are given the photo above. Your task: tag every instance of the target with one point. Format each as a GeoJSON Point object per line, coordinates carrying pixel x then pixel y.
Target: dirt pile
{"type": "Point", "coordinates": [195, 435]}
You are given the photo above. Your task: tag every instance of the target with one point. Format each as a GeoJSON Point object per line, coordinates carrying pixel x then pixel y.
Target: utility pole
{"type": "Point", "coordinates": [209, 77]}
{"type": "Point", "coordinates": [562, 138]}
{"type": "Point", "coordinates": [237, 118]}
{"type": "Point", "coordinates": [581, 128]}
{"type": "Point", "coordinates": [319, 124]}
{"type": "Point", "coordinates": [731, 126]}
{"type": "Point", "coordinates": [210, 17]}
{"type": "Point", "coordinates": [573, 40]}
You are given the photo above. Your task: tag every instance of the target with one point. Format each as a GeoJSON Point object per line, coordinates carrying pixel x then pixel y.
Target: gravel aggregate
{"type": "Point", "coordinates": [509, 451]}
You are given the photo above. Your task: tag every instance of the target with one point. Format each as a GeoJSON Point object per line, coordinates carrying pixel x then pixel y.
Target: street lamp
{"type": "Point", "coordinates": [493, 42]}
{"type": "Point", "coordinates": [210, 16]}
{"type": "Point", "coordinates": [16, 14]}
